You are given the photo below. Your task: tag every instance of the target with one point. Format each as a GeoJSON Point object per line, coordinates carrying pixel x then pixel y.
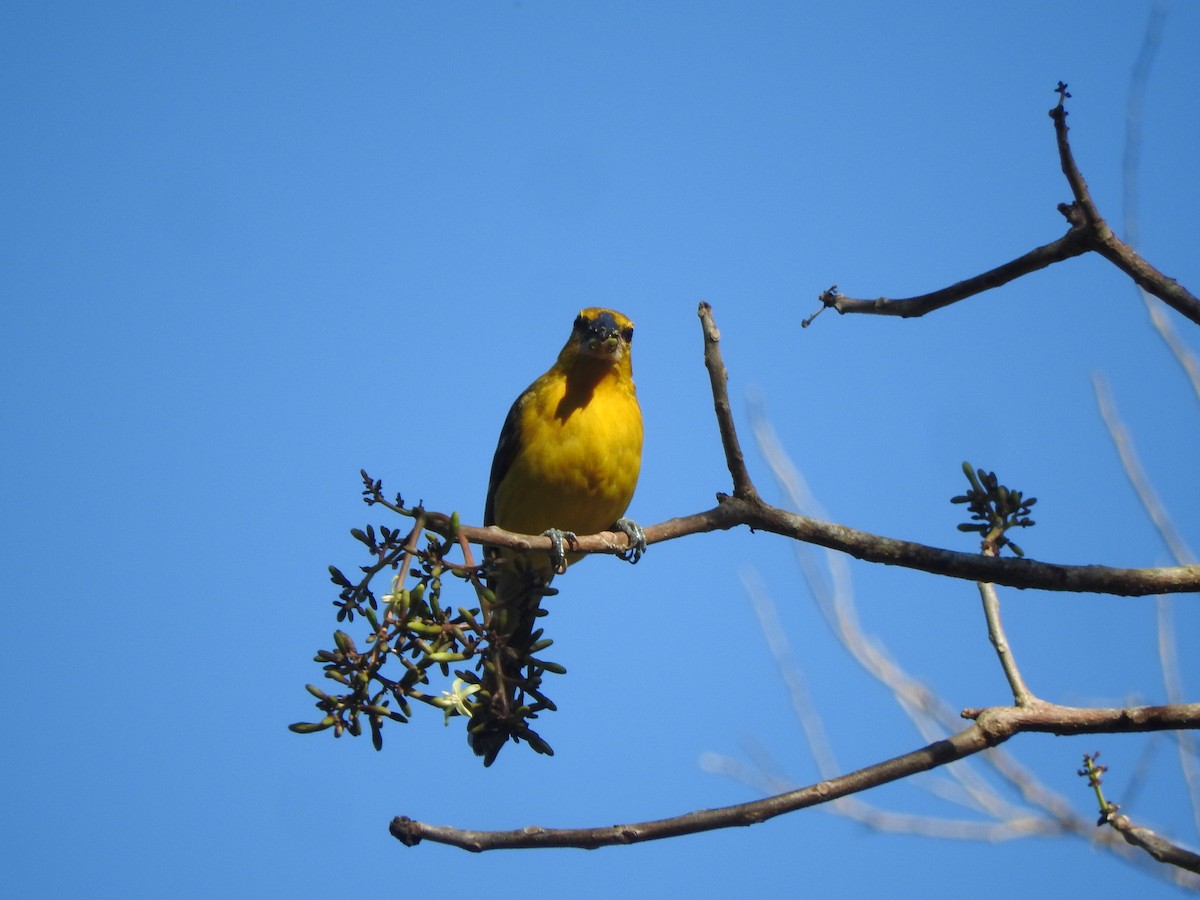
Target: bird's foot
{"type": "Point", "coordinates": [558, 555]}
{"type": "Point", "coordinates": [637, 539]}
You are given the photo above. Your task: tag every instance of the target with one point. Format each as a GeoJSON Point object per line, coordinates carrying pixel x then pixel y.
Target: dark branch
{"type": "Point", "coordinates": [732, 512]}
{"type": "Point", "coordinates": [992, 727]}
{"type": "Point", "coordinates": [1088, 232]}
{"type": "Point", "coordinates": [1158, 847]}
{"type": "Point", "coordinates": [1102, 239]}
{"type": "Point", "coordinates": [1070, 244]}
{"type": "Point", "coordinates": [718, 378]}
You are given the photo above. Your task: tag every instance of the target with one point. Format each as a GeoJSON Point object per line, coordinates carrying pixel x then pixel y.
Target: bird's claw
{"type": "Point", "coordinates": [637, 539]}
{"type": "Point", "coordinates": [558, 554]}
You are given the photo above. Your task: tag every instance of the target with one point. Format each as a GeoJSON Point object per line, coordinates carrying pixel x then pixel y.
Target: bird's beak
{"type": "Point", "coordinates": [603, 339]}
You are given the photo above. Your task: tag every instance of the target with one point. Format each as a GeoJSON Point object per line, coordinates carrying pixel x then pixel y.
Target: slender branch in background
{"type": "Point", "coordinates": [921, 705]}
{"type": "Point", "coordinates": [1047, 812]}
{"type": "Point", "coordinates": [924, 708]}
{"type": "Point", "coordinates": [1168, 656]}
{"type": "Point", "coordinates": [1166, 330]}
{"type": "Point", "coordinates": [793, 676]}
{"type": "Point", "coordinates": [1138, 83]}
{"type": "Point", "coordinates": [1088, 232]}
{"type": "Point", "coordinates": [1022, 696]}
{"type": "Point", "coordinates": [1165, 525]}
{"type": "Point", "coordinates": [1131, 173]}
{"type": "Point", "coordinates": [1132, 466]}
{"type": "Point", "coordinates": [834, 596]}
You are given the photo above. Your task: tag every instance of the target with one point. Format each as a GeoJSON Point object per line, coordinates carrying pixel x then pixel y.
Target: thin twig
{"type": "Point", "coordinates": [1022, 696]}
{"type": "Point", "coordinates": [1138, 84]}
{"type": "Point", "coordinates": [1168, 661]}
{"type": "Point", "coordinates": [1166, 330]}
{"type": "Point", "coordinates": [1168, 654]}
{"type": "Point", "coordinates": [1138, 479]}
{"type": "Point", "coordinates": [1163, 523]}
{"type": "Point", "coordinates": [1068, 246]}
{"type": "Point", "coordinates": [743, 487]}
{"type": "Point", "coordinates": [924, 708]}
{"type": "Point", "coordinates": [793, 677]}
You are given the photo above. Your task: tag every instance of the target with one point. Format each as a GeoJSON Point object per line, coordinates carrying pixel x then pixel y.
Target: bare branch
{"type": "Point", "coordinates": [1158, 847]}
{"type": "Point", "coordinates": [1139, 81]}
{"type": "Point", "coordinates": [732, 512]}
{"type": "Point", "coordinates": [1138, 479]}
{"type": "Point", "coordinates": [1163, 523]}
{"type": "Point", "coordinates": [1050, 718]}
{"type": "Point", "coordinates": [1022, 696]}
{"type": "Point", "coordinates": [1166, 330]}
{"type": "Point", "coordinates": [718, 377]}
{"type": "Point", "coordinates": [1069, 245]}
{"type": "Point", "coordinates": [1167, 650]}
{"type": "Point", "coordinates": [993, 726]}
{"type": "Point", "coordinates": [793, 676]}
{"type": "Point", "coordinates": [1168, 660]}
{"type": "Point", "coordinates": [1088, 232]}
{"type": "Point", "coordinates": [1138, 84]}
{"type": "Point", "coordinates": [924, 708]}
{"type": "Point", "coordinates": [1084, 212]}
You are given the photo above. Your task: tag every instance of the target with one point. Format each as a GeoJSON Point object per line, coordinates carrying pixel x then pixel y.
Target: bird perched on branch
{"type": "Point", "coordinates": [567, 463]}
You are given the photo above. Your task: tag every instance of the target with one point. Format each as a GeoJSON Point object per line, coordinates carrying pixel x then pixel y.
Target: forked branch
{"type": "Point", "coordinates": [1087, 232]}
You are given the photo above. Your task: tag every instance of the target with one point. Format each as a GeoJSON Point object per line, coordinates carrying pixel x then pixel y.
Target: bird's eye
{"type": "Point", "coordinates": [627, 334]}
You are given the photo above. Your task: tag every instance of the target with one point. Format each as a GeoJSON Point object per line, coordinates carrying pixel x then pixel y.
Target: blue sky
{"type": "Point", "coordinates": [253, 248]}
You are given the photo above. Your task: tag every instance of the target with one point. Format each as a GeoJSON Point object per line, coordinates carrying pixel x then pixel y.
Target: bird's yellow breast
{"type": "Point", "coordinates": [580, 453]}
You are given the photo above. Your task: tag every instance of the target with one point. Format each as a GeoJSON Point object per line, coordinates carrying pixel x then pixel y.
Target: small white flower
{"type": "Point", "coordinates": [454, 701]}
{"type": "Point", "coordinates": [394, 593]}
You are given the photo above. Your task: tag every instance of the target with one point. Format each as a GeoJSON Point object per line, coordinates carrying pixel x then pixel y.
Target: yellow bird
{"type": "Point", "coordinates": [567, 463]}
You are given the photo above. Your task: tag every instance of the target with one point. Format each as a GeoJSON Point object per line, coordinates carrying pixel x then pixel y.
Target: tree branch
{"type": "Point", "coordinates": [732, 512]}
{"type": "Point", "coordinates": [993, 726]}
{"type": "Point", "coordinates": [718, 378]}
{"type": "Point", "coordinates": [1088, 232]}
{"type": "Point", "coordinates": [1022, 696]}
{"type": "Point", "coordinates": [1069, 245]}
{"type": "Point", "coordinates": [1158, 847]}
{"type": "Point", "coordinates": [747, 508]}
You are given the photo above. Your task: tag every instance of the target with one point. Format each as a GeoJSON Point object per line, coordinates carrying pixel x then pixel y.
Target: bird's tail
{"type": "Point", "coordinates": [510, 683]}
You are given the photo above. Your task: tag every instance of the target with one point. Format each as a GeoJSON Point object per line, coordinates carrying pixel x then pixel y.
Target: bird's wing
{"type": "Point", "coordinates": [506, 452]}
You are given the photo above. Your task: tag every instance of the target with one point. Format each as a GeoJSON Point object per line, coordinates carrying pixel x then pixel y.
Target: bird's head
{"type": "Point", "coordinates": [600, 334]}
